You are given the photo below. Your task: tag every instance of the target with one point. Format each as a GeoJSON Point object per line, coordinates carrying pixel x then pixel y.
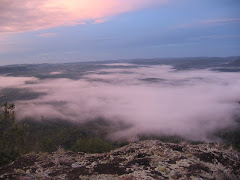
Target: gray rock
{"type": "Point", "coordinates": [139, 160]}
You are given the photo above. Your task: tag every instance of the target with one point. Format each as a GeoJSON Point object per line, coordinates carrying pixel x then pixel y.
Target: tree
{"type": "Point", "coordinates": [12, 134]}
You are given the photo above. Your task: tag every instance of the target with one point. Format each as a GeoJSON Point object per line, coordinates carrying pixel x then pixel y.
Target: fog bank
{"type": "Point", "coordinates": [155, 100]}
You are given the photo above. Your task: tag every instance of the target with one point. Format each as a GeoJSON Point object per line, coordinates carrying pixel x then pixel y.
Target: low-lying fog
{"type": "Point", "coordinates": [155, 100]}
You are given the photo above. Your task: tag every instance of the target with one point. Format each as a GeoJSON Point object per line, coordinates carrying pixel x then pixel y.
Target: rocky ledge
{"type": "Point", "coordinates": [149, 159]}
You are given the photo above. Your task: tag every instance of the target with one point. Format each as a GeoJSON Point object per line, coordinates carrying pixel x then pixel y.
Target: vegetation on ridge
{"type": "Point", "coordinates": [12, 135]}
{"type": "Point", "coordinates": [17, 138]}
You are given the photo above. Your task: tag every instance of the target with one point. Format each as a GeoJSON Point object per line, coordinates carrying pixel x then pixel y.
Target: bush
{"type": "Point", "coordinates": [12, 135]}
{"type": "Point", "coordinates": [7, 156]}
{"type": "Point", "coordinates": [17, 138]}
{"type": "Point", "coordinates": [92, 145]}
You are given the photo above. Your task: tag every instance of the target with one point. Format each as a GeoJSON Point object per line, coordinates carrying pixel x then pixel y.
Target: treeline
{"type": "Point", "coordinates": [17, 138]}
{"type": "Point", "coordinates": [12, 135]}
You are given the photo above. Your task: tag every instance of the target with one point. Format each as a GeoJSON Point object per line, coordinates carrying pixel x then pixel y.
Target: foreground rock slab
{"type": "Point", "coordinates": [147, 160]}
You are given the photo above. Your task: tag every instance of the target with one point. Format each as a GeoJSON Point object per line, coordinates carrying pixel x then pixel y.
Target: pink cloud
{"type": "Point", "coordinates": [99, 21]}
{"type": "Point", "coordinates": [221, 20]}
{"type": "Point", "coordinates": [30, 15]}
{"type": "Point", "coordinates": [226, 36]}
{"type": "Point", "coordinates": [47, 34]}
{"type": "Point", "coordinates": [204, 23]}
{"type": "Point", "coordinates": [8, 44]}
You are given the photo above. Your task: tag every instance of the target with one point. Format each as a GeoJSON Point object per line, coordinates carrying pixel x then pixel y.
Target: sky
{"type": "Point", "coordinates": [57, 31]}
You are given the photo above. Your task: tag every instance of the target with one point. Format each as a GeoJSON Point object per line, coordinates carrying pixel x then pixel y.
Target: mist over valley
{"type": "Point", "coordinates": [191, 98]}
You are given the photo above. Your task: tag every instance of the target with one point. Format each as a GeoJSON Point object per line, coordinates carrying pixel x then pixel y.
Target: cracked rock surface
{"type": "Point", "coordinates": [150, 159]}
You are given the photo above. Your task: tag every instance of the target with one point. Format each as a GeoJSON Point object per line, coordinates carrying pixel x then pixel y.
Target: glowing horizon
{"type": "Point", "coordinates": [36, 31]}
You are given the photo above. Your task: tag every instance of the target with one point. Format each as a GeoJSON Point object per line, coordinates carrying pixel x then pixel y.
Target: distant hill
{"type": "Point", "coordinates": [232, 66]}
{"type": "Point", "coordinates": [235, 63]}
{"type": "Point", "coordinates": [76, 70]}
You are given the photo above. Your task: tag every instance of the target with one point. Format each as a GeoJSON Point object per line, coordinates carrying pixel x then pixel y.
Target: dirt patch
{"type": "Point", "coordinates": [75, 173]}
{"type": "Point", "coordinates": [140, 162]}
{"type": "Point", "coordinates": [195, 169]}
{"type": "Point", "coordinates": [176, 148]}
{"type": "Point", "coordinates": [48, 165]}
{"type": "Point", "coordinates": [111, 168]}
{"type": "Point", "coordinates": [206, 157]}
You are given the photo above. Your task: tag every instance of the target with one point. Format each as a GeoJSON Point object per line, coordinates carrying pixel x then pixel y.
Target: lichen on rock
{"type": "Point", "coordinates": [150, 159]}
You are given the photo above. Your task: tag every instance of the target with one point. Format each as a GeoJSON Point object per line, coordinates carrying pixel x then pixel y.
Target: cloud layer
{"type": "Point", "coordinates": [30, 15]}
{"type": "Point", "coordinates": [207, 23]}
{"type": "Point", "coordinates": [155, 100]}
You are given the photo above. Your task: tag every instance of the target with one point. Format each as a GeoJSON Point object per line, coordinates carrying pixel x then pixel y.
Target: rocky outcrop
{"type": "Point", "coordinates": [149, 159]}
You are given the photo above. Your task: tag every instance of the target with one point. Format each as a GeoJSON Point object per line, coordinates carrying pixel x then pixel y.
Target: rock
{"type": "Point", "coordinates": [139, 160]}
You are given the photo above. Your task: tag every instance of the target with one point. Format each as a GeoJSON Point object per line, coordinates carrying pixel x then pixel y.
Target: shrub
{"type": "Point", "coordinates": [12, 135]}
{"type": "Point", "coordinates": [92, 145]}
